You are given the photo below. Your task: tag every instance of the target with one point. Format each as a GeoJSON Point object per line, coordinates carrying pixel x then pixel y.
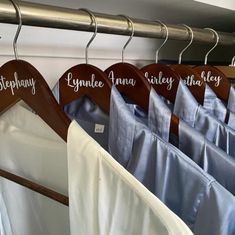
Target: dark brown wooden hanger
{"type": "Point", "coordinates": [85, 80]}
{"type": "Point", "coordinates": [131, 82]}
{"type": "Point", "coordinates": [163, 79]}
{"type": "Point", "coordinates": [229, 70]}
{"type": "Point", "coordinates": [214, 77]}
{"type": "Point", "coordinates": [165, 82]}
{"type": "Point", "coordinates": [31, 87]}
{"type": "Point", "coordinates": [21, 81]}
{"type": "Point", "coordinates": [192, 80]}
{"type": "Point", "coordinates": [216, 80]}
{"type": "Point", "coordinates": [128, 79]}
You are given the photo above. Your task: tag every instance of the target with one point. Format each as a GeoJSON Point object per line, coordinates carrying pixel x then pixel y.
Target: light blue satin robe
{"type": "Point", "coordinates": [205, 206]}
{"type": "Point", "coordinates": [209, 157]}
{"type": "Point", "coordinates": [188, 110]}
{"type": "Point", "coordinates": [88, 115]}
{"type": "Point", "coordinates": [216, 107]}
{"type": "Point", "coordinates": [185, 188]}
{"type": "Point", "coordinates": [231, 100]}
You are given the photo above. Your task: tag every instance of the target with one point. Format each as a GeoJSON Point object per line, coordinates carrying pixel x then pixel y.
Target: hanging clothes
{"type": "Point", "coordinates": [209, 157]}
{"type": "Point", "coordinates": [105, 199]}
{"type": "Point", "coordinates": [31, 149]}
{"type": "Point", "coordinates": [183, 186]}
{"type": "Point", "coordinates": [5, 226]}
{"type": "Point", "coordinates": [216, 107]}
{"type": "Point", "coordinates": [187, 109]}
{"type": "Point", "coordinates": [89, 116]}
{"type": "Point", "coordinates": [231, 99]}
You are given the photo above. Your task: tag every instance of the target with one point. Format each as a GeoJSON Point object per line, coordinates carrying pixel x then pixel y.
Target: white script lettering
{"type": "Point", "coordinates": [121, 81]}
{"type": "Point", "coordinates": [17, 84]}
{"type": "Point", "coordinates": [160, 79]}
{"type": "Point", "coordinates": [207, 77]}
{"type": "Point", "coordinates": [77, 83]}
{"type": "Point", "coordinates": [189, 81]}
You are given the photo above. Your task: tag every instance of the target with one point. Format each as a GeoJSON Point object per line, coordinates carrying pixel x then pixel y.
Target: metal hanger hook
{"type": "Point", "coordinates": [129, 21]}
{"type": "Point", "coordinates": [190, 43]}
{"type": "Point", "coordinates": [233, 61]}
{"type": "Point", "coordinates": [19, 16]}
{"type": "Point", "coordinates": [164, 42]}
{"type": "Point", "coordinates": [216, 43]}
{"type": "Point", "coordinates": [93, 20]}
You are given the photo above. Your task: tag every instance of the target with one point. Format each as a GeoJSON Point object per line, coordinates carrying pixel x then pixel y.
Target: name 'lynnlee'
{"type": "Point", "coordinates": [76, 83]}
{"type": "Point", "coordinates": [17, 84]}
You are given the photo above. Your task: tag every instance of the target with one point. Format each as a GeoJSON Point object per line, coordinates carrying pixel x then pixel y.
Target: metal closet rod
{"type": "Point", "coordinates": [34, 14]}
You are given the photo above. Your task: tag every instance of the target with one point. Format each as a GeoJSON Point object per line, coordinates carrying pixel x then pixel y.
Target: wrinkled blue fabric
{"type": "Point", "coordinates": [209, 157]}
{"type": "Point", "coordinates": [88, 115]}
{"type": "Point", "coordinates": [216, 107]}
{"type": "Point", "coordinates": [188, 110]}
{"type": "Point", "coordinates": [231, 100]}
{"type": "Point", "coordinates": [204, 205]}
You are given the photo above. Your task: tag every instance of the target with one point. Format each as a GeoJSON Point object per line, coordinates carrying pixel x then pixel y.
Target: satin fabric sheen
{"type": "Point", "coordinates": [216, 107]}
{"type": "Point", "coordinates": [203, 204]}
{"type": "Point", "coordinates": [188, 110]}
{"type": "Point", "coordinates": [106, 200]}
{"type": "Point", "coordinates": [30, 149]}
{"type": "Point", "coordinates": [209, 157]}
{"type": "Point", "coordinates": [168, 173]}
{"type": "Point", "coordinates": [231, 100]}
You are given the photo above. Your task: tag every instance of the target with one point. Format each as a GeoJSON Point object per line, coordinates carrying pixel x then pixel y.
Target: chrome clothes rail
{"type": "Point", "coordinates": [34, 14]}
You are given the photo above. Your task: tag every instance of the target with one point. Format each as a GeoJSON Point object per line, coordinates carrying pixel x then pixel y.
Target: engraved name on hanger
{"type": "Point", "coordinates": [77, 83]}
{"type": "Point", "coordinates": [17, 84]}
{"type": "Point", "coordinates": [160, 79]}
{"type": "Point", "coordinates": [207, 77]}
{"type": "Point", "coordinates": [121, 81]}
{"type": "Point", "coordinates": [189, 81]}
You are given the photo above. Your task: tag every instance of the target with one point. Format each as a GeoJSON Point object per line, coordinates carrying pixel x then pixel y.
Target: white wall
{"type": "Point", "coordinates": [53, 51]}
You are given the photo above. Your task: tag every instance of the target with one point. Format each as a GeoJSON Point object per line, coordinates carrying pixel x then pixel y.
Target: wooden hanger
{"type": "Point", "coordinates": [128, 79]}
{"type": "Point", "coordinates": [165, 82]}
{"type": "Point", "coordinates": [229, 70]}
{"type": "Point", "coordinates": [192, 79]}
{"type": "Point", "coordinates": [86, 80]}
{"type": "Point", "coordinates": [214, 77]}
{"type": "Point", "coordinates": [21, 81]}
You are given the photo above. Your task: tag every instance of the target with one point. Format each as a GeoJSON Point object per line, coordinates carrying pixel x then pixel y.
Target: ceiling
{"type": "Point", "coordinates": [194, 13]}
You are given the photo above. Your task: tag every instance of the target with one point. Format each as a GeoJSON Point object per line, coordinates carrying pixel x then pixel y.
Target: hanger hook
{"type": "Point", "coordinates": [93, 20]}
{"type": "Point", "coordinates": [131, 36]}
{"type": "Point", "coordinates": [216, 43]}
{"type": "Point", "coordinates": [164, 42]}
{"type": "Point", "coordinates": [190, 43]}
{"type": "Point", "coordinates": [19, 16]}
{"type": "Point", "coordinates": [233, 61]}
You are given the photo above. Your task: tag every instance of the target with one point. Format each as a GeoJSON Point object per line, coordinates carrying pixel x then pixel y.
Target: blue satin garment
{"type": "Point", "coordinates": [89, 116]}
{"type": "Point", "coordinates": [209, 157]}
{"type": "Point", "coordinates": [216, 107]}
{"type": "Point", "coordinates": [188, 110]}
{"type": "Point", "coordinates": [231, 100]}
{"type": "Point", "coordinates": [170, 175]}
{"type": "Point", "coordinates": [204, 205]}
